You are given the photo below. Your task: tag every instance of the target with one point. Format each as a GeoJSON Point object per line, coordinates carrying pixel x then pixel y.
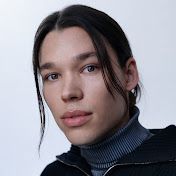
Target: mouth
{"type": "Point", "coordinates": [76, 118]}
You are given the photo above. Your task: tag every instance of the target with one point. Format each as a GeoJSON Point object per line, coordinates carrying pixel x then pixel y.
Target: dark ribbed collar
{"type": "Point", "coordinates": [125, 140]}
{"type": "Point", "coordinates": [161, 147]}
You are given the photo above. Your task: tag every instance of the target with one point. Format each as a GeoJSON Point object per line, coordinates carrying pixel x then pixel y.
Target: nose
{"type": "Point", "coordinates": [71, 89]}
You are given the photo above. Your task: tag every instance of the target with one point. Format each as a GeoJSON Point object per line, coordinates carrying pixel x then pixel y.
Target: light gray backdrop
{"type": "Point", "coordinates": [150, 26]}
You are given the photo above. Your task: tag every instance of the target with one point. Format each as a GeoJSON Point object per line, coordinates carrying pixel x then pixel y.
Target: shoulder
{"type": "Point", "coordinates": [69, 163]}
{"type": "Point", "coordinates": [170, 130]}
{"type": "Point", "coordinates": [164, 137]}
{"type": "Point", "coordinates": [163, 142]}
{"type": "Point", "coordinates": [53, 168]}
{"type": "Point", "coordinates": [161, 147]}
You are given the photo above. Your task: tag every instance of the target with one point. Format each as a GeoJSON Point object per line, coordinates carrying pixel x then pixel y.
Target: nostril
{"type": "Point", "coordinates": [71, 92]}
{"type": "Point", "coordinates": [73, 98]}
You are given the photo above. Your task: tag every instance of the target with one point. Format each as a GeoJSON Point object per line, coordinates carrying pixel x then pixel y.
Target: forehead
{"type": "Point", "coordinates": [65, 43]}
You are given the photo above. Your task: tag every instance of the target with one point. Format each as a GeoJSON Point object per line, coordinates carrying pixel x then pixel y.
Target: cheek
{"type": "Point", "coordinates": [97, 94]}
{"type": "Point", "coordinates": [46, 94]}
{"type": "Point", "coordinates": [102, 101]}
{"type": "Point", "coordinates": [50, 97]}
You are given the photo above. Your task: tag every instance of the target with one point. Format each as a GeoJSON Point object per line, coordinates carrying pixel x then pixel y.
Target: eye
{"type": "Point", "coordinates": [51, 77]}
{"type": "Point", "coordinates": [90, 68]}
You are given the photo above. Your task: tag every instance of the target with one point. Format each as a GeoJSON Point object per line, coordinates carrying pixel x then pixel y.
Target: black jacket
{"type": "Point", "coordinates": [155, 157]}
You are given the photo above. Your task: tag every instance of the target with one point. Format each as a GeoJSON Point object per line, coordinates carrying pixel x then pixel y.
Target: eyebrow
{"type": "Point", "coordinates": [79, 57]}
{"type": "Point", "coordinates": [86, 55]}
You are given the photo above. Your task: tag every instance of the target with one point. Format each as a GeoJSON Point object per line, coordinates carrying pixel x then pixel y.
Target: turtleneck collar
{"type": "Point", "coordinates": [104, 154]}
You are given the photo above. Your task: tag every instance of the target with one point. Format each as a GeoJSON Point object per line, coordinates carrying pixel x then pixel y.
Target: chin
{"type": "Point", "coordinates": [80, 136]}
{"type": "Point", "coordinates": [78, 141]}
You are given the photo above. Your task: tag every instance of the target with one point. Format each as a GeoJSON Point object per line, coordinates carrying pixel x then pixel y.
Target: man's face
{"type": "Point", "coordinates": [74, 88]}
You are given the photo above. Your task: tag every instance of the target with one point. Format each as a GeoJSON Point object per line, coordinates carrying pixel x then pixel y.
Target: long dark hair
{"type": "Point", "coordinates": [100, 27]}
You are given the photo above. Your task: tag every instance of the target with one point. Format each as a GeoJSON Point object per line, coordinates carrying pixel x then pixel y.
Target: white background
{"type": "Point", "coordinates": [151, 29]}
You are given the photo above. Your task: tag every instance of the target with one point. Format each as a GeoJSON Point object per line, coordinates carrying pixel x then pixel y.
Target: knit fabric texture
{"type": "Point", "coordinates": [106, 153]}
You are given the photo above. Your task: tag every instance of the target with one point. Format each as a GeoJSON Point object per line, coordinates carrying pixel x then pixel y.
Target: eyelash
{"type": "Point", "coordinates": [49, 76]}
{"type": "Point", "coordinates": [88, 66]}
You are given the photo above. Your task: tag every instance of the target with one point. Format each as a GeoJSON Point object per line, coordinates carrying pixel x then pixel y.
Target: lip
{"type": "Point", "coordinates": [76, 118]}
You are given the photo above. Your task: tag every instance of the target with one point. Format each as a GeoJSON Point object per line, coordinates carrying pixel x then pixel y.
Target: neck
{"type": "Point", "coordinates": [107, 152]}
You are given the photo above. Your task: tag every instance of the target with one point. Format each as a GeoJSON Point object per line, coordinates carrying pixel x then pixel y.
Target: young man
{"type": "Point", "coordinates": [90, 83]}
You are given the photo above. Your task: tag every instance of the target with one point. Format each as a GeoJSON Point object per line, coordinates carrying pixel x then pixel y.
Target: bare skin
{"type": "Point", "coordinates": [74, 88]}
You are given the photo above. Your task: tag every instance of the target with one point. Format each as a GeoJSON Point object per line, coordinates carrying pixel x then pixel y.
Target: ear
{"type": "Point", "coordinates": [131, 74]}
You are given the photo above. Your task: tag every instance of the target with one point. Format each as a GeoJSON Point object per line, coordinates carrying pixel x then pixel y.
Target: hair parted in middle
{"type": "Point", "coordinates": [101, 28]}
